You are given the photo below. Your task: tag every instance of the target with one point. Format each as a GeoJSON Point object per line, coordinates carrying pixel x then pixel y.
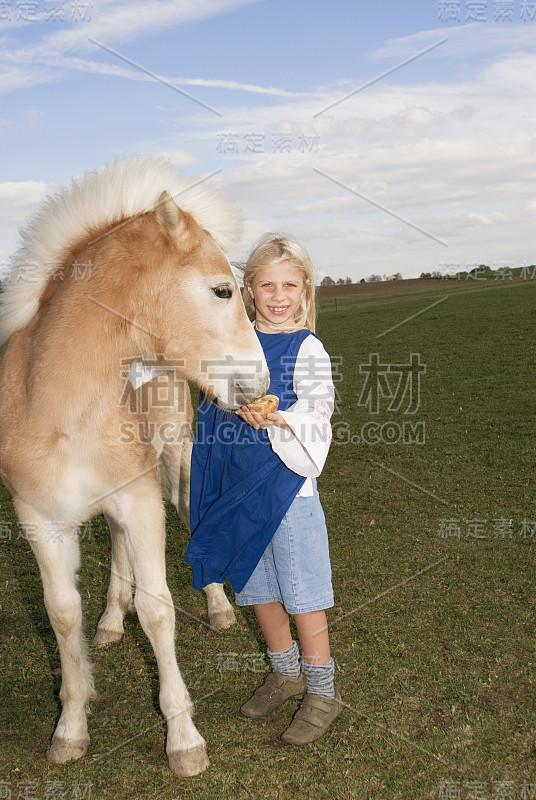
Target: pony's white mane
{"type": "Point", "coordinates": [101, 197]}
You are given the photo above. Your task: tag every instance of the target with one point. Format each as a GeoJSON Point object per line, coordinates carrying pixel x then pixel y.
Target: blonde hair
{"type": "Point", "coordinates": [276, 248]}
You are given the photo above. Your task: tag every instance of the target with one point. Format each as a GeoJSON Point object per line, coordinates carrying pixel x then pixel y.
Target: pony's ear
{"type": "Point", "coordinates": [169, 214]}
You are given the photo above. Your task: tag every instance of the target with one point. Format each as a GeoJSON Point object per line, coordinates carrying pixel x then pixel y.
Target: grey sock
{"type": "Point", "coordinates": [320, 678]}
{"type": "Point", "coordinates": [286, 661]}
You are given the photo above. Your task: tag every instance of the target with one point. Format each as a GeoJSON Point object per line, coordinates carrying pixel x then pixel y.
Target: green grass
{"type": "Point", "coordinates": [433, 637]}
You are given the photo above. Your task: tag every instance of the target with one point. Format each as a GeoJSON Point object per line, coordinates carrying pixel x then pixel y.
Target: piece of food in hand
{"type": "Point", "coordinates": [264, 405]}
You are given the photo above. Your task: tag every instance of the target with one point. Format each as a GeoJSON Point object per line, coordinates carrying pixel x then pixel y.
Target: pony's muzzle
{"type": "Point", "coordinates": [239, 391]}
{"type": "Point", "coordinates": [245, 393]}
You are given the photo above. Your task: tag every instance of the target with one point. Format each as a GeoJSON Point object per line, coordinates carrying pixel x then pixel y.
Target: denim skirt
{"type": "Point", "coordinates": [294, 569]}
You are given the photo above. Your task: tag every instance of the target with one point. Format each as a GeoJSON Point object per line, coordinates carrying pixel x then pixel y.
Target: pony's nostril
{"type": "Point", "coordinates": [243, 393]}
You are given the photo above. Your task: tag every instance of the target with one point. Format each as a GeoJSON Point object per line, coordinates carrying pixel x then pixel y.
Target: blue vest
{"type": "Point", "coordinates": [240, 490]}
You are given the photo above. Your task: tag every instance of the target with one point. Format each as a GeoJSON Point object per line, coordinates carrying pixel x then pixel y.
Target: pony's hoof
{"type": "Point", "coordinates": [62, 750]}
{"type": "Point", "coordinates": [104, 637]}
{"type": "Point", "coordinates": [222, 619]}
{"type": "Point", "coordinates": [188, 763]}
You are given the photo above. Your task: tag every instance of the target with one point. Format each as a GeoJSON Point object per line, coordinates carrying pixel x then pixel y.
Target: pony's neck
{"type": "Point", "coordinates": [92, 351]}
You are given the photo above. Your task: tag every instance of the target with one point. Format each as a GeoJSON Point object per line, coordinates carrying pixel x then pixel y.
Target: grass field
{"type": "Point", "coordinates": [433, 547]}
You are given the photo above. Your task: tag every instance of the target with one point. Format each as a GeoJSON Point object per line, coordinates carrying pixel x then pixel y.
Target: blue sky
{"type": "Point", "coordinates": [431, 165]}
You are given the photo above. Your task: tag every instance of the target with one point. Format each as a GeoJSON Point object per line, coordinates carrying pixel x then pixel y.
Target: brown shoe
{"type": "Point", "coordinates": [312, 720]}
{"type": "Point", "coordinates": [275, 690]}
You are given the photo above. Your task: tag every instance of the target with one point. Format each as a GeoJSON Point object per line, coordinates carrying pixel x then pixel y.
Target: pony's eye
{"type": "Point", "coordinates": [223, 292]}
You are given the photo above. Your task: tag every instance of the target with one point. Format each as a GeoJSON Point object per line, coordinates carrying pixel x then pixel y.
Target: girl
{"type": "Point", "coordinates": [255, 513]}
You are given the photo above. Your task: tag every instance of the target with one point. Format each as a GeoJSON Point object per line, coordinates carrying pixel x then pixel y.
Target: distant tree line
{"type": "Point", "coordinates": [480, 270]}
{"type": "Point", "coordinates": [328, 281]}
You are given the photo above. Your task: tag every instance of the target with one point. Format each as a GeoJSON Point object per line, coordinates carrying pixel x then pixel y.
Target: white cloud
{"type": "Point", "coordinates": [179, 158]}
{"type": "Point", "coordinates": [514, 73]}
{"type": "Point", "coordinates": [473, 194]}
{"type": "Point", "coordinates": [23, 194]}
{"type": "Point", "coordinates": [454, 156]}
{"type": "Point", "coordinates": [35, 116]}
{"type": "Point", "coordinates": [480, 40]}
{"type": "Point", "coordinates": [115, 70]}
{"type": "Point", "coordinates": [17, 202]}
{"type": "Point", "coordinates": [113, 23]}
{"type": "Point", "coordinates": [125, 21]}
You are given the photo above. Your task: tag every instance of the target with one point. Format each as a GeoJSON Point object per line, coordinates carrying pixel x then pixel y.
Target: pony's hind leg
{"type": "Point", "coordinates": [110, 627]}
{"type": "Point", "coordinates": [142, 516]}
{"type": "Point", "coordinates": [175, 475]}
{"type": "Point", "coordinates": [220, 611]}
{"type": "Point", "coordinates": [57, 552]}
{"type": "Point", "coordinates": [176, 460]}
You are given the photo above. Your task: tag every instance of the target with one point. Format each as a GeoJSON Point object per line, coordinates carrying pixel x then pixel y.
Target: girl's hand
{"type": "Point", "coordinates": [257, 421]}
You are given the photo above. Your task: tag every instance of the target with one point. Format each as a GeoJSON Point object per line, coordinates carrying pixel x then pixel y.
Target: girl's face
{"type": "Point", "coordinates": [277, 292]}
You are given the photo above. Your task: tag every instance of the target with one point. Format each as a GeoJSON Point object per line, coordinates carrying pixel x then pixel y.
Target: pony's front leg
{"type": "Point", "coordinates": [58, 555]}
{"type": "Point", "coordinates": [220, 611]}
{"type": "Point", "coordinates": [143, 518]}
{"type": "Point", "coordinates": [110, 627]}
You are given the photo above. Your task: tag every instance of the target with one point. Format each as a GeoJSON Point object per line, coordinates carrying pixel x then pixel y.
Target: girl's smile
{"type": "Point", "coordinates": [277, 292]}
